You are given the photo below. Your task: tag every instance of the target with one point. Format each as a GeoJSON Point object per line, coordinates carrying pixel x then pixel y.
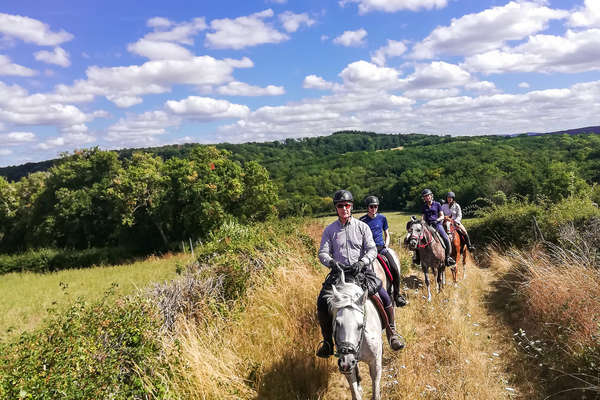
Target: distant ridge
{"type": "Point", "coordinates": [576, 131]}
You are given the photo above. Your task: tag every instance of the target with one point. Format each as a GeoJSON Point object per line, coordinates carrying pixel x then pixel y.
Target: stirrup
{"type": "Point", "coordinates": [325, 350]}
{"type": "Point", "coordinates": [400, 300]}
{"type": "Point", "coordinates": [397, 342]}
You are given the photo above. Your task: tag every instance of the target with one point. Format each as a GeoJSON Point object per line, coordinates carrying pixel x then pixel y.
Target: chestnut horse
{"type": "Point", "coordinates": [458, 247]}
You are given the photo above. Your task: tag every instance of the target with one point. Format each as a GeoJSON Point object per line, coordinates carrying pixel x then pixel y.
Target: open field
{"type": "Point", "coordinates": [26, 297]}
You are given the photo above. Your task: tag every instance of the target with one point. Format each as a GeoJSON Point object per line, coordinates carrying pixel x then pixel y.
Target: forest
{"type": "Point", "coordinates": [152, 199]}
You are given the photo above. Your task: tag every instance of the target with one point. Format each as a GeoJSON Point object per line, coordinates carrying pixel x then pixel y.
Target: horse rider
{"type": "Point", "coordinates": [434, 216]}
{"type": "Point", "coordinates": [452, 210]}
{"type": "Point", "coordinates": [348, 243]}
{"type": "Point", "coordinates": [381, 235]}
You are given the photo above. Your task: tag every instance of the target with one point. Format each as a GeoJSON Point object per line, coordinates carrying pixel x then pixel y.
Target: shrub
{"type": "Point", "coordinates": [108, 349]}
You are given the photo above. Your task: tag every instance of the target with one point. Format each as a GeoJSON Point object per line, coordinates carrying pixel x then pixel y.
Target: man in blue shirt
{"type": "Point", "coordinates": [381, 235]}
{"type": "Point", "coordinates": [434, 217]}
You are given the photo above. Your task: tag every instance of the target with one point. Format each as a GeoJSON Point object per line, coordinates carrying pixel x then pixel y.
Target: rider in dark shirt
{"type": "Point", "coordinates": [434, 217]}
{"type": "Point", "coordinates": [381, 235]}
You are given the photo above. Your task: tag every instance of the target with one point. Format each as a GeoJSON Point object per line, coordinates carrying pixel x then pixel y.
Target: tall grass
{"type": "Point", "coordinates": [27, 296]}
{"type": "Point", "coordinates": [553, 305]}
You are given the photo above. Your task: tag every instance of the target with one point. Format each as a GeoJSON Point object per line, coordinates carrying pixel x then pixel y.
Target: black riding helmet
{"type": "Point", "coordinates": [425, 192]}
{"type": "Point", "coordinates": [451, 195]}
{"type": "Point", "coordinates": [342, 195]}
{"type": "Point", "coordinates": [371, 200]}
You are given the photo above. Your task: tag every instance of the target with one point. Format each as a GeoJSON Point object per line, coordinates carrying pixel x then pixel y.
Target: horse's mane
{"type": "Point", "coordinates": [345, 295]}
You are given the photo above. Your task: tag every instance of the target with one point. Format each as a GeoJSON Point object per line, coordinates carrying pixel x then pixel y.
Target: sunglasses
{"type": "Point", "coordinates": [340, 206]}
{"type": "Point", "coordinates": [373, 206]}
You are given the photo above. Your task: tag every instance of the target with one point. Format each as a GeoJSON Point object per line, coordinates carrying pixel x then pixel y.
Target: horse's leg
{"type": "Point", "coordinates": [375, 372]}
{"type": "Point", "coordinates": [424, 268]}
{"type": "Point", "coordinates": [353, 382]}
{"type": "Point", "coordinates": [464, 259]}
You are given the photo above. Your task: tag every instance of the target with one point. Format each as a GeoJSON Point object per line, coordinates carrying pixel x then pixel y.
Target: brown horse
{"type": "Point", "coordinates": [458, 246]}
{"type": "Point", "coordinates": [419, 238]}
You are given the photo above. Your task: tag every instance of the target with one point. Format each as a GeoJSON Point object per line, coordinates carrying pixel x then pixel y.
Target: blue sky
{"type": "Point", "coordinates": [119, 74]}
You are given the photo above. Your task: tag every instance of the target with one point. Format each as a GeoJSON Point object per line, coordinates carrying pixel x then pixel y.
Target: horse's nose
{"type": "Point", "coordinates": [346, 365]}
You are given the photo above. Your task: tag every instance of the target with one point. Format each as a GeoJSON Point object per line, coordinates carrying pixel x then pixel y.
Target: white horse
{"type": "Point", "coordinates": [357, 335]}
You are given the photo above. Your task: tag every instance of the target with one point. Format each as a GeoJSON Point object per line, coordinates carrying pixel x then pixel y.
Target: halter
{"type": "Point", "coordinates": [347, 347]}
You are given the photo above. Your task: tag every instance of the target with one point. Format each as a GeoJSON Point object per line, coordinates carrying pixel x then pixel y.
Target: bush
{"type": "Point", "coordinates": [108, 349]}
{"type": "Point", "coordinates": [47, 259]}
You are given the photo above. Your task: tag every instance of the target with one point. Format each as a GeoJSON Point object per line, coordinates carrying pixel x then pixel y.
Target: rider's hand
{"type": "Point", "coordinates": [357, 267]}
{"type": "Point", "coordinates": [335, 265]}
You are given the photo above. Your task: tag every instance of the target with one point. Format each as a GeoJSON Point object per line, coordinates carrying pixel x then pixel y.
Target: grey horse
{"type": "Point", "coordinates": [420, 238]}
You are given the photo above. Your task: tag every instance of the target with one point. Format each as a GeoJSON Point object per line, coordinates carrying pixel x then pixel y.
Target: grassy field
{"type": "Point", "coordinates": [26, 297]}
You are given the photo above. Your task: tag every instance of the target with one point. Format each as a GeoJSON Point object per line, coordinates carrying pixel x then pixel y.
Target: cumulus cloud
{"type": "Point", "coordinates": [16, 138]}
{"type": "Point", "coordinates": [206, 108]}
{"type": "Point", "coordinates": [125, 85]}
{"type": "Point", "coordinates": [351, 38]}
{"type": "Point", "coordinates": [59, 57]}
{"type": "Point", "coordinates": [575, 52]}
{"type": "Point", "coordinates": [292, 22]}
{"type": "Point", "coordinates": [167, 40]}
{"type": "Point", "coordinates": [393, 48]}
{"type": "Point", "coordinates": [487, 30]}
{"type": "Point", "coordinates": [243, 89]}
{"type": "Point", "coordinates": [524, 85]}
{"type": "Point", "coordinates": [7, 67]}
{"type": "Point", "coordinates": [365, 6]}
{"type": "Point", "coordinates": [438, 74]}
{"type": "Point", "coordinates": [316, 82]}
{"type": "Point", "coordinates": [243, 32]}
{"type": "Point", "coordinates": [587, 16]}
{"type": "Point", "coordinates": [142, 129]}
{"type": "Point", "coordinates": [31, 30]}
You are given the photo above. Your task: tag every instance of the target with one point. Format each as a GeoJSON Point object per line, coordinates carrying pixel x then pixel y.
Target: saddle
{"type": "Point", "coordinates": [437, 235]}
{"type": "Point", "coordinates": [385, 322]}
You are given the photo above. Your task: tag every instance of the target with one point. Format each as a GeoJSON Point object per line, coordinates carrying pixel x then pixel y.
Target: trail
{"type": "Point", "coordinates": [457, 347]}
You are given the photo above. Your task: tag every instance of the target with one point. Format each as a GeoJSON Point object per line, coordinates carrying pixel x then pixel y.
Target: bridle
{"type": "Point", "coordinates": [343, 347]}
{"type": "Point", "coordinates": [424, 236]}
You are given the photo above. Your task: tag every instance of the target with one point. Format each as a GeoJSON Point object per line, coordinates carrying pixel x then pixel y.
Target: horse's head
{"type": "Point", "coordinates": [414, 232]}
{"type": "Point", "coordinates": [348, 301]}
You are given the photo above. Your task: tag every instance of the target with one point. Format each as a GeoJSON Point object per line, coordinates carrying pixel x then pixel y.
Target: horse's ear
{"type": "Point", "coordinates": [413, 218]}
{"type": "Point", "coordinates": [335, 292]}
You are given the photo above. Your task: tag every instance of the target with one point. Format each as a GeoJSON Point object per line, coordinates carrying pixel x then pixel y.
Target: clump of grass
{"type": "Point", "coordinates": [558, 312]}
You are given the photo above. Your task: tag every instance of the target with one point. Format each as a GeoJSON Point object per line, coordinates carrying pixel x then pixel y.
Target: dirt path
{"type": "Point", "coordinates": [457, 348]}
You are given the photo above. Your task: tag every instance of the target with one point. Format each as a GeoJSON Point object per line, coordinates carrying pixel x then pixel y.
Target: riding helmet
{"type": "Point", "coordinates": [451, 195]}
{"type": "Point", "coordinates": [425, 192]}
{"type": "Point", "coordinates": [371, 200]}
{"type": "Point", "coordinates": [342, 195]}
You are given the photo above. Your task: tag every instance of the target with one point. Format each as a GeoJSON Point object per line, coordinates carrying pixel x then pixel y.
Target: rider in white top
{"type": "Point", "coordinates": [452, 209]}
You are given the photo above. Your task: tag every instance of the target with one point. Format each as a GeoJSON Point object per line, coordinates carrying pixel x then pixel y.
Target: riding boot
{"type": "Point", "coordinates": [449, 260]}
{"type": "Point", "coordinates": [396, 341]}
{"type": "Point", "coordinates": [326, 323]}
{"type": "Point", "coordinates": [398, 298]}
{"type": "Point", "coordinates": [469, 245]}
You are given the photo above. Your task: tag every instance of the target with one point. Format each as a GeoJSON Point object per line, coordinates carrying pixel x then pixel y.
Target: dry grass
{"type": "Point", "coordinates": [554, 304]}
{"type": "Point", "coordinates": [455, 349]}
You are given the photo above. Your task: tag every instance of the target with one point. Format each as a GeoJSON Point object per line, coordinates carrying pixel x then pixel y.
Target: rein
{"type": "Point", "coordinates": [425, 235]}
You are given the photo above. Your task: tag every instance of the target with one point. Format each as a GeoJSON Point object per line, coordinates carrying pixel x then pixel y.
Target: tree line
{"type": "Point", "coordinates": [92, 198]}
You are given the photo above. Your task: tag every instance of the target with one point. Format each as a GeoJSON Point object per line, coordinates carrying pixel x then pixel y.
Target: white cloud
{"type": "Point", "coordinates": [588, 16]}
{"type": "Point", "coordinates": [165, 42]}
{"type": "Point", "coordinates": [155, 50]}
{"type": "Point", "coordinates": [125, 85]}
{"type": "Point", "coordinates": [7, 67]}
{"type": "Point", "coordinates": [363, 75]}
{"type": "Point", "coordinates": [351, 38]}
{"type": "Point", "coordinates": [482, 87]}
{"type": "Point", "coordinates": [59, 57]}
{"type": "Point", "coordinates": [292, 22]}
{"type": "Point", "coordinates": [431, 93]}
{"type": "Point", "coordinates": [5, 152]}
{"type": "Point", "coordinates": [524, 85]}
{"type": "Point", "coordinates": [243, 32]}
{"type": "Point", "coordinates": [365, 6]}
{"type": "Point", "coordinates": [393, 48]}
{"type": "Point", "coordinates": [437, 74]}
{"type": "Point", "coordinates": [31, 30]}
{"type": "Point", "coordinates": [243, 89]}
{"type": "Point", "coordinates": [206, 108]}
{"type": "Point", "coordinates": [140, 130]}
{"type": "Point", "coordinates": [487, 30]}
{"type": "Point", "coordinates": [575, 52]}
{"type": "Point", "coordinates": [16, 138]}
{"type": "Point", "coordinates": [316, 82]}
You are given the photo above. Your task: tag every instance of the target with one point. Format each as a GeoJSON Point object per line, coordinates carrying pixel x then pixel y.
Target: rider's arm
{"type": "Point", "coordinates": [386, 237]}
{"type": "Point", "coordinates": [458, 213]}
{"type": "Point", "coordinates": [325, 249]}
{"type": "Point", "coordinates": [370, 247]}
